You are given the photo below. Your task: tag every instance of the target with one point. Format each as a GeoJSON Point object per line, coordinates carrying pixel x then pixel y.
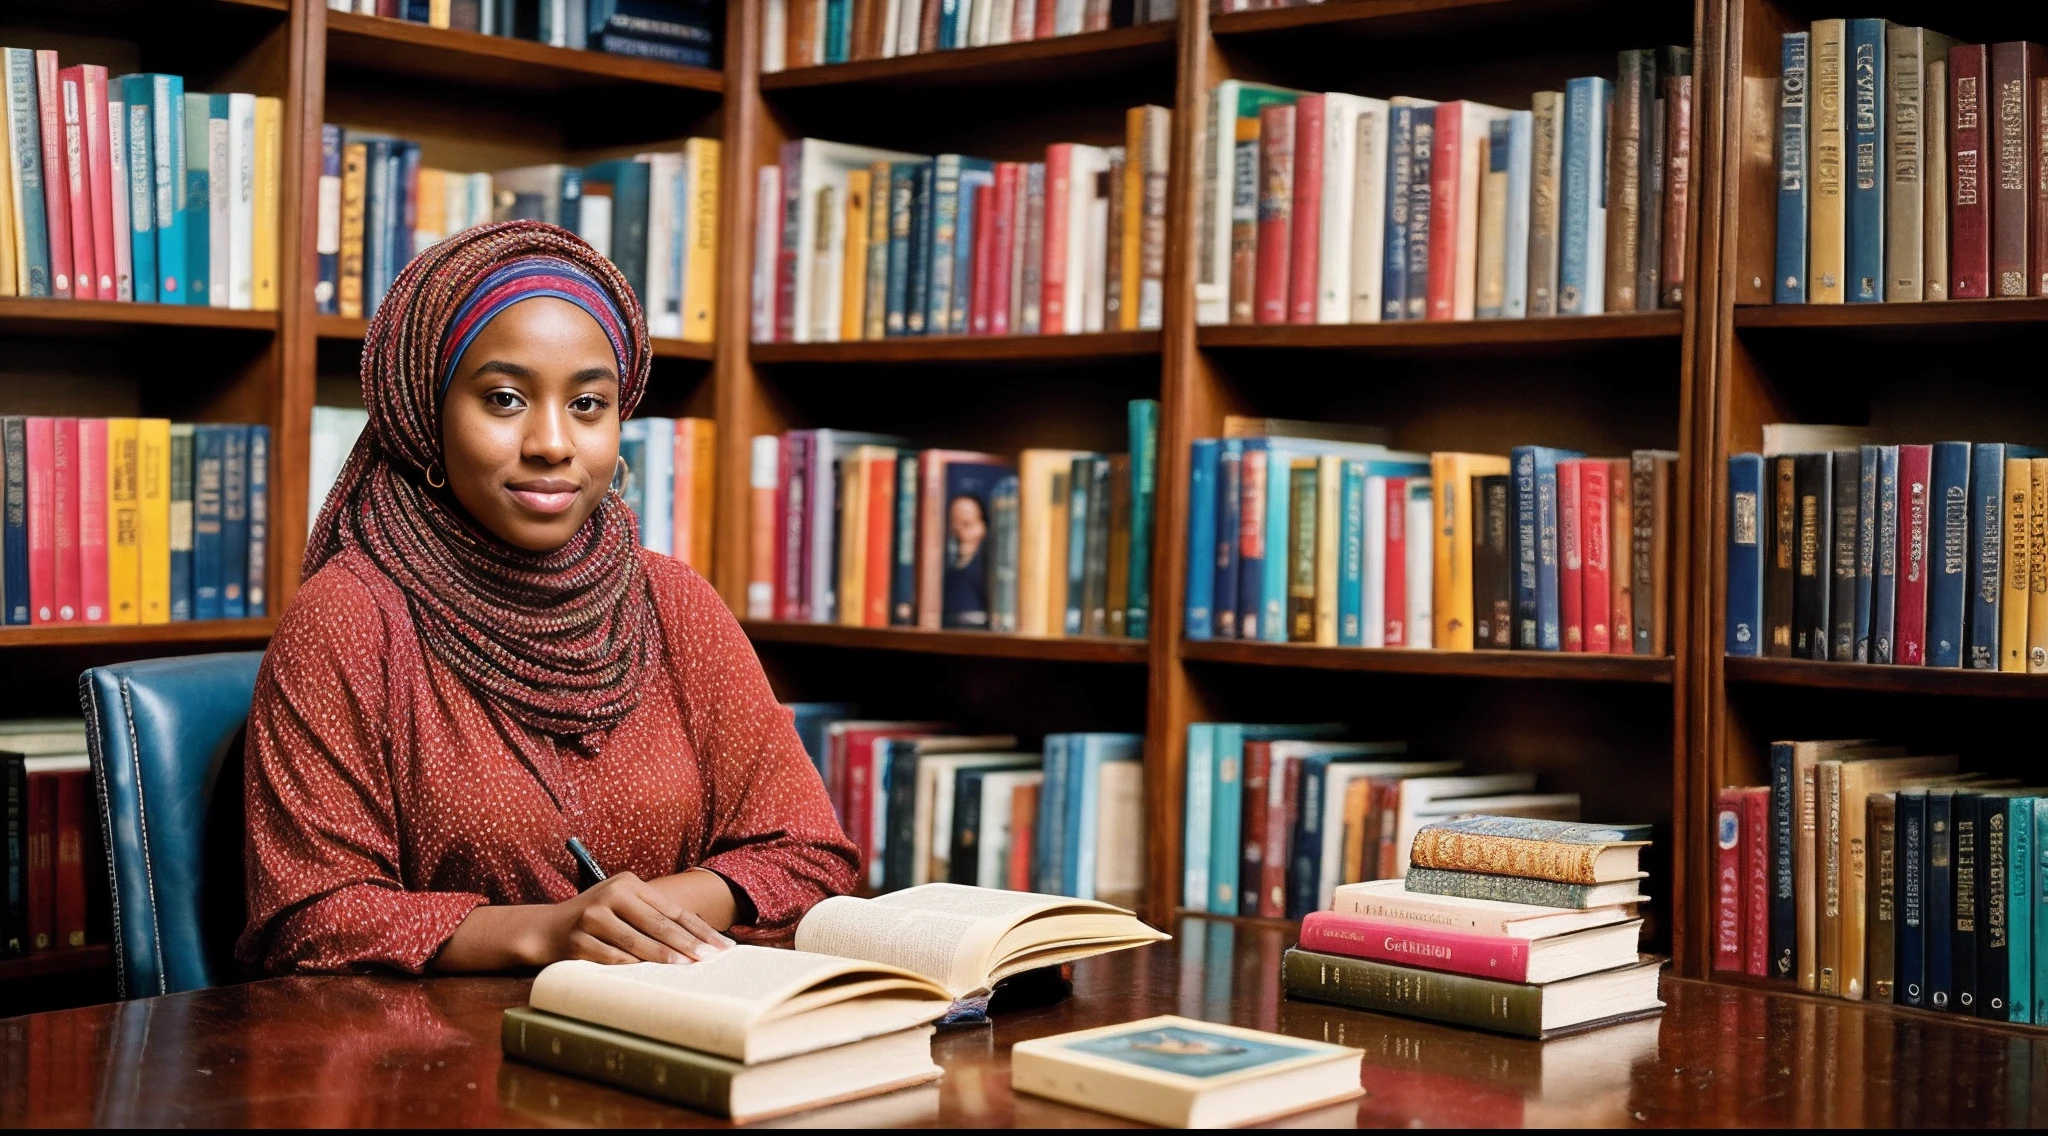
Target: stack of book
{"type": "Point", "coordinates": [671, 483]}
{"type": "Point", "coordinates": [853, 243]}
{"type": "Point", "coordinates": [1903, 166]}
{"type": "Point", "coordinates": [1914, 555]}
{"type": "Point", "coordinates": [1338, 208]}
{"type": "Point", "coordinates": [861, 530]}
{"type": "Point", "coordinates": [654, 215]}
{"type": "Point", "coordinates": [672, 31]}
{"type": "Point", "coordinates": [805, 33]}
{"type": "Point", "coordinates": [1526, 927]}
{"type": "Point", "coordinates": [1864, 872]}
{"type": "Point", "coordinates": [128, 188]}
{"type": "Point", "coordinates": [925, 804]}
{"type": "Point", "coordinates": [1279, 816]}
{"type": "Point", "coordinates": [1310, 532]}
{"type": "Point", "coordinates": [46, 786]}
{"type": "Point", "coordinates": [133, 520]}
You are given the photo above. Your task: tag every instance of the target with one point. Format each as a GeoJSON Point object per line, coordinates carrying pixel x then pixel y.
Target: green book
{"type": "Point", "coordinates": [1522, 889]}
{"type": "Point", "coordinates": [2019, 907]}
{"type": "Point", "coordinates": [1553, 1008]}
{"type": "Point", "coordinates": [1144, 417]}
{"type": "Point", "coordinates": [2039, 910]}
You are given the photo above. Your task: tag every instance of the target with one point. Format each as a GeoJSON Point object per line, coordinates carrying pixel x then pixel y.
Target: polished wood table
{"type": "Point", "coordinates": [382, 1051]}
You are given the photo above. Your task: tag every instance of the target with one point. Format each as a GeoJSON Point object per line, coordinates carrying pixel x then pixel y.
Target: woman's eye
{"type": "Point", "coordinates": [503, 400]}
{"type": "Point", "coordinates": [587, 404]}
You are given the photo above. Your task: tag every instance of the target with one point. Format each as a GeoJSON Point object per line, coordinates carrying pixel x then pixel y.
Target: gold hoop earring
{"type": "Point", "coordinates": [441, 484]}
{"type": "Point", "coordinates": [620, 472]}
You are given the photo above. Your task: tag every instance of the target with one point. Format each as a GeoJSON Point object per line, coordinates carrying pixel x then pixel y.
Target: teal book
{"type": "Point", "coordinates": [1226, 801]}
{"type": "Point", "coordinates": [918, 274]}
{"type": "Point", "coordinates": [2019, 907]}
{"type": "Point", "coordinates": [633, 455]}
{"type": "Point", "coordinates": [138, 134]}
{"type": "Point", "coordinates": [1519, 889]}
{"type": "Point", "coordinates": [1050, 839]}
{"type": "Point", "coordinates": [1281, 453]}
{"type": "Point", "coordinates": [234, 522]}
{"type": "Point", "coordinates": [940, 262]}
{"type": "Point", "coordinates": [1196, 819]}
{"type": "Point", "coordinates": [2038, 910]}
{"type": "Point", "coordinates": [18, 73]}
{"type": "Point", "coordinates": [258, 559]}
{"type": "Point", "coordinates": [1086, 755]}
{"type": "Point", "coordinates": [896, 292]}
{"type": "Point", "coordinates": [167, 158]}
{"type": "Point", "coordinates": [629, 179]}
{"type": "Point", "coordinates": [1080, 481]}
{"type": "Point", "coordinates": [198, 198]}
{"type": "Point", "coordinates": [1144, 423]}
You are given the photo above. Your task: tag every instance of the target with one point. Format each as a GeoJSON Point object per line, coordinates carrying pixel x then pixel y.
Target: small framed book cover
{"type": "Point", "coordinates": [1181, 1073]}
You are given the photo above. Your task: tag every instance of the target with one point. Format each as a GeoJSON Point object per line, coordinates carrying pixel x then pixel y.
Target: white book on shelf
{"type": "Point", "coordinates": [1082, 285]}
{"type": "Point", "coordinates": [1372, 602]}
{"type": "Point", "coordinates": [594, 221]}
{"type": "Point", "coordinates": [1067, 17]}
{"type": "Point", "coordinates": [767, 239]}
{"type": "Point", "coordinates": [1521, 157]}
{"type": "Point", "coordinates": [774, 35]}
{"type": "Point", "coordinates": [663, 304]}
{"type": "Point", "coordinates": [1095, 269]}
{"type": "Point", "coordinates": [1334, 265]}
{"type": "Point", "coordinates": [220, 168]}
{"type": "Point", "coordinates": [821, 165]}
{"type": "Point", "coordinates": [1421, 564]}
{"type": "Point", "coordinates": [658, 481]}
{"type": "Point", "coordinates": [241, 202]}
{"type": "Point", "coordinates": [1475, 123]}
{"type": "Point", "coordinates": [980, 15]}
{"type": "Point", "coordinates": [1369, 213]}
{"type": "Point", "coordinates": [1001, 20]}
{"type": "Point", "coordinates": [892, 14]}
{"type": "Point", "coordinates": [907, 26]}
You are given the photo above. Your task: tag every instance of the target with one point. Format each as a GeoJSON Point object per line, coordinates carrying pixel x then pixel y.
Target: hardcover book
{"type": "Point", "coordinates": [1541, 1012]}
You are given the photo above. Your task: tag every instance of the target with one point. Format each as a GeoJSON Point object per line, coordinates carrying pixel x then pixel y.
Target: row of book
{"type": "Point", "coordinates": [1915, 555]}
{"type": "Point", "coordinates": [129, 188]}
{"type": "Point", "coordinates": [654, 215]}
{"type": "Point", "coordinates": [1277, 816]}
{"type": "Point", "coordinates": [1509, 924]}
{"type": "Point", "coordinates": [671, 484]}
{"type": "Point", "coordinates": [1338, 208]}
{"type": "Point", "coordinates": [50, 836]}
{"type": "Point", "coordinates": [1298, 533]}
{"type": "Point", "coordinates": [852, 242]}
{"type": "Point", "coordinates": [1864, 872]}
{"type": "Point", "coordinates": [132, 520]}
{"type": "Point", "coordinates": [861, 530]}
{"type": "Point", "coordinates": [806, 33]}
{"type": "Point", "coordinates": [925, 804]}
{"type": "Point", "coordinates": [1906, 166]}
{"type": "Point", "coordinates": [672, 31]}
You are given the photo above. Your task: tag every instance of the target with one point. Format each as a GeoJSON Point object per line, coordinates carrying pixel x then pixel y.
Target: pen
{"type": "Point", "coordinates": [587, 863]}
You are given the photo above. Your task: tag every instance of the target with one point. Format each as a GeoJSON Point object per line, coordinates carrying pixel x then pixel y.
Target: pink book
{"type": "Point", "coordinates": [1909, 637]}
{"type": "Point", "coordinates": [1497, 957]}
{"type": "Point", "coordinates": [1052, 277]}
{"type": "Point", "coordinates": [41, 443]}
{"type": "Point", "coordinates": [1728, 859]}
{"type": "Point", "coordinates": [1445, 165]}
{"type": "Point", "coordinates": [1571, 575]}
{"type": "Point", "coordinates": [1397, 562]}
{"type": "Point", "coordinates": [980, 288]}
{"type": "Point", "coordinates": [64, 503]}
{"type": "Point", "coordinates": [92, 519]}
{"type": "Point", "coordinates": [1046, 25]}
{"type": "Point", "coordinates": [99, 177]}
{"type": "Point", "coordinates": [1305, 258]}
{"type": "Point", "coordinates": [78, 184]}
{"type": "Point", "coordinates": [1003, 245]}
{"type": "Point", "coordinates": [1595, 556]}
{"type": "Point", "coordinates": [56, 179]}
{"type": "Point", "coordinates": [1276, 212]}
{"type": "Point", "coordinates": [117, 195]}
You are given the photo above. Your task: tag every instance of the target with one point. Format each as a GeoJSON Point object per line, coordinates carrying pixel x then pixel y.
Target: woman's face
{"type": "Point", "coordinates": [530, 424]}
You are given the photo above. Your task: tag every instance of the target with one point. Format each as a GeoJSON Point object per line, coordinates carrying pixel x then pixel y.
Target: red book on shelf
{"type": "Point", "coordinates": [40, 881]}
{"type": "Point", "coordinates": [1003, 247]}
{"type": "Point", "coordinates": [41, 444]}
{"type": "Point", "coordinates": [1282, 808]}
{"type": "Point", "coordinates": [64, 503]}
{"type": "Point", "coordinates": [1047, 24]}
{"type": "Point", "coordinates": [1276, 211]}
{"type": "Point", "coordinates": [92, 520]}
{"type": "Point", "coordinates": [1409, 944]}
{"type": "Point", "coordinates": [1305, 257]}
{"type": "Point", "coordinates": [789, 512]}
{"type": "Point", "coordinates": [1969, 241]}
{"type": "Point", "coordinates": [1756, 880]}
{"type": "Point", "coordinates": [980, 289]}
{"type": "Point", "coordinates": [1448, 155]}
{"type": "Point", "coordinates": [1023, 829]}
{"type": "Point", "coordinates": [1052, 273]}
{"type": "Point", "coordinates": [1397, 563]}
{"type": "Point", "coordinates": [1596, 556]}
{"type": "Point", "coordinates": [1571, 573]}
{"type": "Point", "coordinates": [1729, 951]}
{"type": "Point", "coordinates": [1620, 540]}
{"type": "Point", "coordinates": [69, 892]}
{"type": "Point", "coordinates": [785, 249]}
{"type": "Point", "coordinates": [880, 549]}
{"type": "Point", "coordinates": [56, 182]}
{"type": "Point", "coordinates": [77, 183]}
{"type": "Point", "coordinates": [1909, 636]}
{"type": "Point", "coordinates": [1255, 776]}
{"type": "Point", "coordinates": [99, 175]}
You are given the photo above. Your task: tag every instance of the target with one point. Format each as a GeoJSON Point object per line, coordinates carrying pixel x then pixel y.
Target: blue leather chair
{"type": "Point", "coordinates": [166, 743]}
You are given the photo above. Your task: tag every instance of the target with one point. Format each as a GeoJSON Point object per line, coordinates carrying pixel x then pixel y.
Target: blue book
{"type": "Point", "coordinates": [1087, 754]}
{"type": "Point", "coordinates": [1522, 467]}
{"type": "Point", "coordinates": [138, 133]}
{"type": "Point", "coordinates": [184, 441]}
{"type": "Point", "coordinates": [2019, 907]}
{"type": "Point", "coordinates": [1784, 920]}
{"type": "Point", "coordinates": [1305, 844]}
{"type": "Point", "coordinates": [569, 207]}
{"type": "Point", "coordinates": [1080, 480]}
{"type": "Point", "coordinates": [919, 265]}
{"type": "Point", "coordinates": [14, 518]}
{"type": "Point", "coordinates": [902, 197]}
{"type": "Point", "coordinates": [1496, 163]}
{"type": "Point", "coordinates": [1909, 951]}
{"type": "Point", "coordinates": [1521, 158]}
{"type": "Point", "coordinates": [903, 567]}
{"type": "Point", "coordinates": [631, 181]}
{"type": "Point", "coordinates": [24, 133]}
{"type": "Point", "coordinates": [1196, 816]}
{"type": "Point", "coordinates": [965, 575]}
{"type": "Point", "coordinates": [1542, 472]}
{"type": "Point", "coordinates": [167, 151]}
{"type": "Point", "coordinates": [1884, 572]}
{"type": "Point", "coordinates": [1865, 92]}
{"type": "Point", "coordinates": [1582, 197]}
{"type": "Point", "coordinates": [1350, 553]}
{"type": "Point", "coordinates": [1937, 882]}
{"type": "Point", "coordinates": [326, 289]}
{"type": "Point", "coordinates": [1948, 558]}
{"type": "Point", "coordinates": [1202, 463]}
{"type": "Point", "coordinates": [951, 34]}
{"type": "Point", "coordinates": [941, 239]}
{"type": "Point", "coordinates": [1789, 287]}
{"type": "Point", "coordinates": [1223, 602]}
{"type": "Point", "coordinates": [975, 173]}
{"type": "Point", "coordinates": [1400, 181]}
{"type": "Point", "coordinates": [2038, 910]}
{"type": "Point", "coordinates": [198, 199]}
{"type": "Point", "coordinates": [1746, 522]}
{"type": "Point", "coordinates": [234, 522]}
{"type": "Point", "coordinates": [1050, 839]}
{"type": "Point", "coordinates": [1226, 802]}
{"type": "Point", "coordinates": [376, 203]}
{"type": "Point", "coordinates": [1987, 549]}
{"type": "Point", "coordinates": [258, 559]}
{"type": "Point", "coordinates": [402, 220]}
{"type": "Point", "coordinates": [209, 483]}
{"type": "Point", "coordinates": [1866, 548]}
{"type": "Point", "coordinates": [810, 720]}
{"type": "Point", "coordinates": [633, 451]}
{"type": "Point", "coordinates": [1421, 156]}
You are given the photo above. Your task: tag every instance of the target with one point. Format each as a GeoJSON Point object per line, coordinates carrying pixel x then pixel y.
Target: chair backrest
{"type": "Point", "coordinates": [165, 737]}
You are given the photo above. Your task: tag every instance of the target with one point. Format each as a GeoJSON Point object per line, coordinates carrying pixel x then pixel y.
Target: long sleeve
{"type": "Point", "coordinates": [769, 828]}
{"type": "Point", "coordinates": [326, 889]}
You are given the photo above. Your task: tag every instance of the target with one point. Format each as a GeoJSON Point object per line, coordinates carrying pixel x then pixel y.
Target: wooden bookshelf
{"type": "Point", "coordinates": [408, 51]}
{"type": "Point", "coordinates": [1089, 55]}
{"type": "Point", "coordinates": [968, 644]}
{"type": "Point", "coordinates": [1872, 679]}
{"type": "Point", "coordinates": [1963, 315]}
{"type": "Point", "coordinates": [964, 349]}
{"type": "Point", "coordinates": [169, 636]}
{"type": "Point", "coordinates": [108, 317]}
{"type": "Point", "coordinates": [1534, 665]}
{"type": "Point", "coordinates": [1448, 337]}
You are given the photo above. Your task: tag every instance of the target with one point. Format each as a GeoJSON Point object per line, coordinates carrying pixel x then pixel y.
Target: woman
{"type": "Point", "coordinates": [485, 681]}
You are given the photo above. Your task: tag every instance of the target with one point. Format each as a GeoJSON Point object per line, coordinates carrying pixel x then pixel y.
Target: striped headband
{"type": "Point", "coordinates": [524, 279]}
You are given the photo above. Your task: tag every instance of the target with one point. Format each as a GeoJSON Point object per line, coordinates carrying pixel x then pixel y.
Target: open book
{"type": "Point", "coordinates": [968, 939]}
{"type": "Point", "coordinates": [749, 1004]}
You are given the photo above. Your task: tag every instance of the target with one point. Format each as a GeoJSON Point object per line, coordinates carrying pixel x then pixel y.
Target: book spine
{"type": "Point", "coordinates": [40, 879]}
{"type": "Point", "coordinates": [1744, 632]}
{"type": "Point", "coordinates": [91, 459]}
{"type": "Point", "coordinates": [1527, 626]}
{"type": "Point", "coordinates": [1095, 570]}
{"type": "Point", "coordinates": [650, 1069]}
{"type": "Point", "coordinates": [918, 263]}
{"type": "Point", "coordinates": [2014, 68]}
{"type": "Point", "coordinates": [1197, 832]}
{"type": "Point", "coordinates": [1228, 523]}
{"type": "Point", "coordinates": [1756, 881]}
{"type": "Point", "coordinates": [14, 832]}
{"type": "Point", "coordinates": [39, 448]}
{"type": "Point", "coordinates": [1400, 173]}
{"type": "Point", "coordinates": [1625, 144]}
{"type": "Point", "coordinates": [1915, 525]}
{"type": "Point", "coordinates": [1937, 884]}
{"type": "Point", "coordinates": [1570, 559]}
{"type": "Point", "coordinates": [182, 445]}
{"type": "Point", "coordinates": [119, 182]}
{"type": "Point", "coordinates": [56, 174]}
{"type": "Point", "coordinates": [880, 547]}
{"type": "Point", "coordinates": [1305, 233]}
{"type": "Point", "coordinates": [1003, 550]}
{"type": "Point", "coordinates": [1595, 557]}
{"type": "Point", "coordinates": [1865, 131]}
{"type": "Point", "coordinates": [1499, 957]}
{"type": "Point", "coordinates": [2013, 604]}
{"type": "Point", "coordinates": [1437, 847]}
{"type": "Point", "coordinates": [1846, 495]}
{"type": "Point", "coordinates": [64, 453]}
{"type": "Point", "coordinates": [1582, 228]}
{"type": "Point", "coordinates": [1251, 554]}
{"type": "Point", "coordinates": [1884, 580]}
{"type": "Point", "coordinates": [78, 184]}
{"type": "Point", "coordinates": [1380, 987]}
{"type": "Point", "coordinates": [14, 520]}
{"type": "Point", "coordinates": [1545, 173]}
{"type": "Point", "coordinates": [1275, 212]}
{"type": "Point", "coordinates": [1966, 829]}
{"type": "Point", "coordinates": [2038, 881]}
{"type": "Point", "coordinates": [1500, 889]}
{"type": "Point", "coordinates": [1057, 289]}
{"type": "Point", "coordinates": [99, 178]}
{"type": "Point", "coordinates": [2037, 566]}
{"type": "Point", "coordinates": [202, 285]}
{"type": "Point", "coordinates": [1866, 549]}
{"type": "Point", "coordinates": [1827, 221]}
{"type": "Point", "coordinates": [1880, 901]}
{"type": "Point", "coordinates": [355, 162]}
{"type": "Point", "coordinates": [1495, 246]}
{"type": "Point", "coordinates": [1678, 166]}
{"type": "Point", "coordinates": [1549, 555]}
{"type": "Point", "coordinates": [1994, 938]}
{"type": "Point", "coordinates": [2037, 188]}
{"type": "Point", "coordinates": [1728, 898]}
{"type": "Point", "coordinates": [31, 271]}
{"type": "Point", "coordinates": [1909, 965]}
{"type": "Point", "coordinates": [168, 150]}
{"type": "Point", "coordinates": [1284, 788]}
{"type": "Point", "coordinates": [234, 527]}
{"type": "Point", "coordinates": [1144, 448]}
{"type": "Point", "coordinates": [327, 224]}
{"type": "Point", "coordinates": [1395, 607]}
{"type": "Point", "coordinates": [1906, 166]}
{"type": "Point", "coordinates": [1935, 255]}
{"type": "Point", "coordinates": [1203, 467]}
{"type": "Point", "coordinates": [1813, 487]}
{"type": "Point", "coordinates": [1421, 208]}
{"type": "Point", "coordinates": [1301, 553]}
{"type": "Point", "coordinates": [68, 859]}
{"type": "Point", "coordinates": [1969, 208]}
{"type": "Point", "coordinates": [1515, 234]}
{"type": "Point", "coordinates": [1351, 555]}
{"type": "Point", "coordinates": [1304, 847]}
{"type": "Point", "coordinates": [1446, 163]}
{"type": "Point", "coordinates": [940, 259]}
{"type": "Point", "coordinates": [2020, 901]}
{"type": "Point", "coordinates": [1984, 516]}
{"type": "Point", "coordinates": [209, 455]}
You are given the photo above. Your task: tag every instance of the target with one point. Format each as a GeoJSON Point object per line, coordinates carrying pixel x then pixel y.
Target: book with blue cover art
{"type": "Point", "coordinates": [1050, 837]}
{"type": "Point", "coordinates": [1197, 815]}
{"type": "Point", "coordinates": [138, 96]}
{"type": "Point", "coordinates": [1867, 92]}
{"type": "Point", "coordinates": [1948, 558]}
{"type": "Point", "coordinates": [1789, 285]}
{"type": "Point", "coordinates": [1143, 415]}
{"type": "Point", "coordinates": [14, 516]}
{"type": "Point", "coordinates": [198, 199]}
{"type": "Point", "coordinates": [1521, 157]}
{"type": "Point", "coordinates": [1582, 215]}
{"type": "Point", "coordinates": [1400, 180]}
{"type": "Point", "coordinates": [1351, 554]}
{"type": "Point", "coordinates": [234, 521]}
{"type": "Point", "coordinates": [1421, 162]}
{"type": "Point", "coordinates": [209, 473]}
{"type": "Point", "coordinates": [2020, 899]}
{"type": "Point", "coordinates": [1745, 613]}
{"type": "Point", "coordinates": [1909, 959]}
{"type": "Point", "coordinates": [1202, 464]}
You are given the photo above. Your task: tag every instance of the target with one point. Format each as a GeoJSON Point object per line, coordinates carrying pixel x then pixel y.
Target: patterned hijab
{"type": "Point", "coordinates": [555, 639]}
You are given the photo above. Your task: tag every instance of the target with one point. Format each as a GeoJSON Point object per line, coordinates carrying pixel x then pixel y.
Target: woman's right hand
{"type": "Point", "coordinates": [625, 919]}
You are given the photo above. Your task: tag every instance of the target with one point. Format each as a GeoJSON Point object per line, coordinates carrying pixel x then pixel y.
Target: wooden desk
{"type": "Point", "coordinates": [379, 1051]}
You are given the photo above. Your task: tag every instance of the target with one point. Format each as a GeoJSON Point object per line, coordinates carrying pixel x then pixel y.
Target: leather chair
{"type": "Point", "coordinates": [166, 743]}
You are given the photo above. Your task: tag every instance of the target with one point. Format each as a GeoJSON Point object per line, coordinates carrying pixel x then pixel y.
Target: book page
{"type": "Point", "coordinates": [945, 932]}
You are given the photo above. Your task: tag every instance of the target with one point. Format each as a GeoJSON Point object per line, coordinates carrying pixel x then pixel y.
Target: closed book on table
{"type": "Point", "coordinates": [1505, 958]}
{"type": "Point", "coordinates": [1568, 852]}
{"type": "Point", "coordinates": [1542, 1012]}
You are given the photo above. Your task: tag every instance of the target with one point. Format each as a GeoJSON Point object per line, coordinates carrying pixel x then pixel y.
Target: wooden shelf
{"type": "Point", "coordinates": [95, 956]}
{"type": "Point", "coordinates": [1552, 665]}
{"type": "Point", "coordinates": [1087, 55]}
{"type": "Point", "coordinates": [1401, 17]}
{"type": "Point", "coordinates": [102, 317]}
{"type": "Point", "coordinates": [1448, 336]}
{"type": "Point", "coordinates": [342, 328]}
{"type": "Point", "coordinates": [1881, 679]}
{"type": "Point", "coordinates": [227, 631]}
{"type": "Point", "coordinates": [400, 47]}
{"type": "Point", "coordinates": [976, 644]}
{"type": "Point", "coordinates": [1942, 314]}
{"type": "Point", "coordinates": [964, 349]}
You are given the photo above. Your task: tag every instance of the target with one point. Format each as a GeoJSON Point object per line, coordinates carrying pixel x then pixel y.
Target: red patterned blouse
{"type": "Point", "coordinates": [385, 800]}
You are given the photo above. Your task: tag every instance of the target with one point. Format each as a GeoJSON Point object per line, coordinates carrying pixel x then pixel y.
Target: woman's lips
{"type": "Point", "coordinates": [550, 495]}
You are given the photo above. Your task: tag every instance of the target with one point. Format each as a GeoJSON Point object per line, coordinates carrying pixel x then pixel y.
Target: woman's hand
{"type": "Point", "coordinates": [624, 919]}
